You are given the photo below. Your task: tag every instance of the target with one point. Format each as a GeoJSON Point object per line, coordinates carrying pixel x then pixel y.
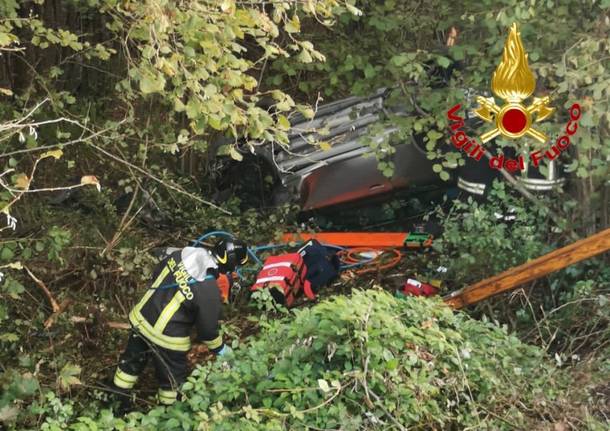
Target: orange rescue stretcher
{"type": "Point", "coordinates": [365, 239]}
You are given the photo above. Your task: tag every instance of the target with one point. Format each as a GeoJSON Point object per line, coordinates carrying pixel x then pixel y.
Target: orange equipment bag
{"type": "Point", "coordinates": [285, 276]}
{"type": "Point", "coordinates": [224, 282]}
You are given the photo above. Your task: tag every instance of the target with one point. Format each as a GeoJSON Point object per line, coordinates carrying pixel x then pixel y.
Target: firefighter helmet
{"type": "Point", "coordinates": [229, 253]}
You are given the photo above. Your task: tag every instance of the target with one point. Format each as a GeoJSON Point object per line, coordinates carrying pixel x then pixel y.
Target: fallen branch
{"type": "Point", "coordinates": [118, 325]}
{"type": "Point", "coordinates": [111, 325]}
{"type": "Point", "coordinates": [55, 307]}
{"type": "Point", "coordinates": [53, 317]}
{"type": "Point", "coordinates": [390, 416]}
{"type": "Point", "coordinates": [124, 224]}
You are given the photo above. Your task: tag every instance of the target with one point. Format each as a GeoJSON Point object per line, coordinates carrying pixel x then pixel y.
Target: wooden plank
{"type": "Point", "coordinates": [529, 271]}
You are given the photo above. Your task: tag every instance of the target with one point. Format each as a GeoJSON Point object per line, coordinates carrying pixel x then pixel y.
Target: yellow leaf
{"type": "Point", "coordinates": [69, 376]}
{"type": "Point", "coordinates": [427, 324]}
{"type": "Point", "coordinates": [227, 6]}
{"type": "Point", "coordinates": [294, 25]}
{"type": "Point", "coordinates": [353, 10]}
{"type": "Point", "coordinates": [325, 146]}
{"type": "Point", "coordinates": [166, 67]}
{"type": "Point", "coordinates": [235, 154]}
{"type": "Point", "coordinates": [306, 111]}
{"type": "Point", "coordinates": [6, 91]}
{"type": "Point", "coordinates": [323, 384]}
{"type": "Point", "coordinates": [22, 181]}
{"type": "Point", "coordinates": [283, 122]}
{"type": "Point", "coordinates": [309, 6]}
{"type": "Point", "coordinates": [53, 153]}
{"type": "Point", "coordinates": [91, 180]}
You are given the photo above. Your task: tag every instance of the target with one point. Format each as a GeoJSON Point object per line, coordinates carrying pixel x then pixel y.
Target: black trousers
{"type": "Point", "coordinates": [171, 367]}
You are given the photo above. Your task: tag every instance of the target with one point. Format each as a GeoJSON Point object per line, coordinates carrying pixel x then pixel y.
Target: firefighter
{"type": "Point", "coordinates": [183, 293]}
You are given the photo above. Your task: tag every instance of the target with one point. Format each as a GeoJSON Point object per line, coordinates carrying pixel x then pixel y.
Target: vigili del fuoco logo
{"type": "Point", "coordinates": [513, 82]}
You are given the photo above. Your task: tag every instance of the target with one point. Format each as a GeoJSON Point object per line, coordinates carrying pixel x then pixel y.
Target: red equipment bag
{"type": "Point", "coordinates": [285, 276]}
{"type": "Point", "coordinates": [417, 288]}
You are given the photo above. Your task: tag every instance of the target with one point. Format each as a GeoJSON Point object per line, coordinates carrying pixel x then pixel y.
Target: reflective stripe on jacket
{"type": "Point", "coordinates": [183, 294]}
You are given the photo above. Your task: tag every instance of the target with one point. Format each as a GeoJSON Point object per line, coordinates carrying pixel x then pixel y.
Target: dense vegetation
{"type": "Point", "coordinates": [366, 361]}
{"type": "Point", "coordinates": [118, 119]}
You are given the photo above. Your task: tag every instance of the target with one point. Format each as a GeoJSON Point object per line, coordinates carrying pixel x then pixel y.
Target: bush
{"type": "Point", "coordinates": [476, 244]}
{"type": "Point", "coordinates": [370, 360]}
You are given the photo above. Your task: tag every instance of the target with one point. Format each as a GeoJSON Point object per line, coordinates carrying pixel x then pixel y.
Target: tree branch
{"type": "Point", "coordinates": [159, 180]}
{"type": "Point", "coordinates": [54, 305]}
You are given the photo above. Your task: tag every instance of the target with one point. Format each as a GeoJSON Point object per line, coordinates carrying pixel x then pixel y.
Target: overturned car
{"type": "Point", "coordinates": [345, 172]}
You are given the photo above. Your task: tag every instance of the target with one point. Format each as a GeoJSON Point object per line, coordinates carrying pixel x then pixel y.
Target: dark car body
{"type": "Point", "coordinates": [347, 172]}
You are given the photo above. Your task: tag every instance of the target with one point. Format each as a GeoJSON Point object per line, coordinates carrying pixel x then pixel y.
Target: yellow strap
{"type": "Point", "coordinates": [180, 344]}
{"type": "Point", "coordinates": [215, 343]}
{"type": "Point", "coordinates": [124, 380]}
{"type": "Point", "coordinates": [168, 312]}
{"type": "Point", "coordinates": [167, 397]}
{"type": "Point", "coordinates": [164, 273]}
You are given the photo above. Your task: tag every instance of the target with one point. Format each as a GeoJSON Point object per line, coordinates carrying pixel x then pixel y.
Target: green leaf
{"type": "Point", "coordinates": [443, 61]}
{"type": "Point", "coordinates": [193, 108]}
{"type": "Point", "coordinates": [152, 83]}
{"type": "Point", "coordinates": [215, 122]}
{"type": "Point", "coordinates": [5, 39]}
{"type": "Point", "coordinates": [444, 176]}
{"type": "Point", "coordinates": [457, 51]}
{"type": "Point", "coordinates": [304, 56]}
{"type": "Point", "coordinates": [307, 111]}
{"type": "Point", "coordinates": [392, 364]}
{"type": "Point", "coordinates": [13, 288]}
{"type": "Point", "coordinates": [68, 376]}
{"type": "Point", "coordinates": [283, 122]}
{"type": "Point", "coordinates": [235, 155]}
{"type": "Point", "coordinates": [6, 253]}
{"type": "Point", "coordinates": [189, 51]}
{"type": "Point", "coordinates": [399, 60]}
{"type": "Point", "coordinates": [9, 337]}
{"type": "Point", "coordinates": [294, 25]}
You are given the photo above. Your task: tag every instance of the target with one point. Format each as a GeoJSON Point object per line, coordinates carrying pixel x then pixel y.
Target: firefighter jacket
{"type": "Point", "coordinates": [183, 294]}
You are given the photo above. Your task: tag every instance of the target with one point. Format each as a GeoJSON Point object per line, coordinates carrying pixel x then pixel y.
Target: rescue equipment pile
{"type": "Point", "coordinates": [320, 259]}
{"type": "Point", "coordinates": [317, 264]}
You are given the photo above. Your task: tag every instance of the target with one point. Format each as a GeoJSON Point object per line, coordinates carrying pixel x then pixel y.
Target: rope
{"type": "Point", "coordinates": [352, 258]}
